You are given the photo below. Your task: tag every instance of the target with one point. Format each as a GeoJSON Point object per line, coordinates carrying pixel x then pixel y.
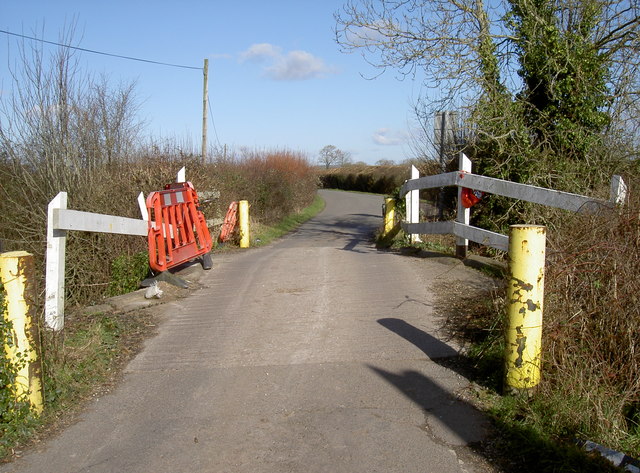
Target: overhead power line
{"type": "Point", "coordinates": [213, 123]}
{"type": "Point", "coordinates": [99, 52]}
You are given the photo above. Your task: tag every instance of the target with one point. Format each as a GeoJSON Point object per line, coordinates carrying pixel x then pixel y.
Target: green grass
{"type": "Point", "coordinates": [85, 358]}
{"type": "Point", "coordinates": [398, 239]}
{"type": "Point", "coordinates": [83, 362]}
{"type": "Point", "coordinates": [264, 234]}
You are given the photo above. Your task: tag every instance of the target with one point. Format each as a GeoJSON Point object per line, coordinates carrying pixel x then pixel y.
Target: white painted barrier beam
{"type": "Point", "coordinates": [514, 190]}
{"type": "Point", "coordinates": [64, 219]}
{"type": "Point", "coordinates": [450, 227]}
{"type": "Point", "coordinates": [59, 221]}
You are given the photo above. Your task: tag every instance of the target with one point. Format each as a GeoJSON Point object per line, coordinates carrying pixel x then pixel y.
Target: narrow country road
{"type": "Point", "coordinates": [315, 354]}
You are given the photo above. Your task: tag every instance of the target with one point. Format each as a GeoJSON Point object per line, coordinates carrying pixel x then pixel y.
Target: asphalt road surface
{"type": "Point", "coordinates": [315, 354]}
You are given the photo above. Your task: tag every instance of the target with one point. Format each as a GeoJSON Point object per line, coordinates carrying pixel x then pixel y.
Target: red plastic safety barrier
{"type": "Point", "coordinates": [177, 228]}
{"type": "Point", "coordinates": [470, 197]}
{"type": "Point", "coordinates": [230, 221]}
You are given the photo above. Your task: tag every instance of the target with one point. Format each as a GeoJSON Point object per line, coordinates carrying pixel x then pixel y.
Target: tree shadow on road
{"type": "Point", "coordinates": [513, 447]}
{"type": "Point", "coordinates": [449, 418]}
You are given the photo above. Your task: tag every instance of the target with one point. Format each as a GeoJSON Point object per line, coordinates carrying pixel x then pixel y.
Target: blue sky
{"type": "Point", "coordinates": [277, 79]}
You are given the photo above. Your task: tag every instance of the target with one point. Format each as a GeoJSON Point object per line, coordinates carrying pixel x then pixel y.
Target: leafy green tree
{"type": "Point", "coordinates": [565, 75]}
{"type": "Point", "coordinates": [547, 88]}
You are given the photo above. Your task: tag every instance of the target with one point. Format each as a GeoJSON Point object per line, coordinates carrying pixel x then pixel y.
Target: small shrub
{"type": "Point", "coordinates": [127, 272]}
{"type": "Point", "coordinates": [376, 179]}
{"type": "Point", "coordinates": [16, 417]}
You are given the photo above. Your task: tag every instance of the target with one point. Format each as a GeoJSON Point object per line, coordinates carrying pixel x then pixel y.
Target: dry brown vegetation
{"type": "Point", "coordinates": [590, 388]}
{"type": "Point", "coordinates": [275, 183]}
{"type": "Point", "coordinates": [592, 325]}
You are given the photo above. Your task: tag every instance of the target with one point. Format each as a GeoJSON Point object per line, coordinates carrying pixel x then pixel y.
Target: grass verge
{"type": "Point", "coordinates": [528, 430]}
{"type": "Point", "coordinates": [81, 364]}
{"type": "Point", "coordinates": [399, 240]}
{"type": "Point", "coordinates": [265, 234]}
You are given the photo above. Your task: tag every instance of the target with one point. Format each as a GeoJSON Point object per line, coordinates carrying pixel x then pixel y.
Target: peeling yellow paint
{"type": "Point", "coordinates": [243, 214]}
{"type": "Point", "coordinates": [16, 273]}
{"type": "Point", "coordinates": [389, 215]}
{"type": "Point", "coordinates": [525, 293]}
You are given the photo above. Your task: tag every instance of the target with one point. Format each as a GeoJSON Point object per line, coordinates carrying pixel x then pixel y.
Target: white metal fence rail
{"type": "Point", "coordinates": [464, 178]}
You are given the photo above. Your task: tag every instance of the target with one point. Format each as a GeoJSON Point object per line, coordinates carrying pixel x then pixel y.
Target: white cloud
{"type": "Point", "coordinates": [388, 137]}
{"type": "Point", "coordinates": [260, 52]}
{"type": "Point", "coordinates": [294, 65]}
{"type": "Point", "coordinates": [298, 65]}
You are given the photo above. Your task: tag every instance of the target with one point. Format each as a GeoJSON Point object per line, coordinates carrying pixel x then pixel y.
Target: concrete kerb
{"type": "Point", "coordinates": [618, 459]}
{"type": "Point", "coordinates": [191, 273]}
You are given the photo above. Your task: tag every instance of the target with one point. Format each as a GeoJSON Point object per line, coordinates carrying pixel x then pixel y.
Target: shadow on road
{"type": "Point", "coordinates": [448, 418]}
{"type": "Point", "coordinates": [431, 346]}
{"type": "Point", "coordinates": [344, 232]}
{"type": "Point", "coordinates": [514, 447]}
{"type": "Point", "coordinates": [438, 351]}
{"type": "Point", "coordinates": [489, 266]}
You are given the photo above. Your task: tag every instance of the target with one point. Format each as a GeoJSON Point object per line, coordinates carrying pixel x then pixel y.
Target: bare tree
{"type": "Point", "coordinates": [331, 156]}
{"type": "Point", "coordinates": [449, 43]}
{"type": "Point", "coordinates": [58, 129]}
{"type": "Point", "coordinates": [60, 122]}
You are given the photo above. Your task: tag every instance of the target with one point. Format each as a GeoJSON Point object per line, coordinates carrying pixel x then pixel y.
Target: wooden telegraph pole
{"type": "Point", "coordinates": [205, 98]}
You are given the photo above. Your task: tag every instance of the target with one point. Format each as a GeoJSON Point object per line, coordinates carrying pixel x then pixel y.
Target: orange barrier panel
{"type": "Point", "coordinates": [177, 228]}
{"type": "Point", "coordinates": [230, 221]}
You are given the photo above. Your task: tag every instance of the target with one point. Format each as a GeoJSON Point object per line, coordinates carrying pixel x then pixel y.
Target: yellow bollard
{"type": "Point", "coordinates": [16, 274]}
{"type": "Point", "coordinates": [525, 294]}
{"type": "Point", "coordinates": [243, 211]}
{"type": "Point", "coordinates": [389, 215]}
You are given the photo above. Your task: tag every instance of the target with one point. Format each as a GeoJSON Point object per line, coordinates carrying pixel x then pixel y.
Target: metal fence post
{"type": "Point", "coordinates": [243, 213]}
{"type": "Point", "coordinates": [525, 294]}
{"type": "Point", "coordinates": [389, 215]}
{"type": "Point", "coordinates": [17, 275]}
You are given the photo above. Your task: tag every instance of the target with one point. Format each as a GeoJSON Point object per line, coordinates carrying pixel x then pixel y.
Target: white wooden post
{"type": "Point", "coordinates": [618, 190]}
{"type": "Point", "coordinates": [464, 214]}
{"type": "Point", "coordinates": [142, 203]}
{"type": "Point", "coordinates": [55, 267]}
{"type": "Point", "coordinates": [412, 200]}
{"type": "Point", "coordinates": [181, 177]}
